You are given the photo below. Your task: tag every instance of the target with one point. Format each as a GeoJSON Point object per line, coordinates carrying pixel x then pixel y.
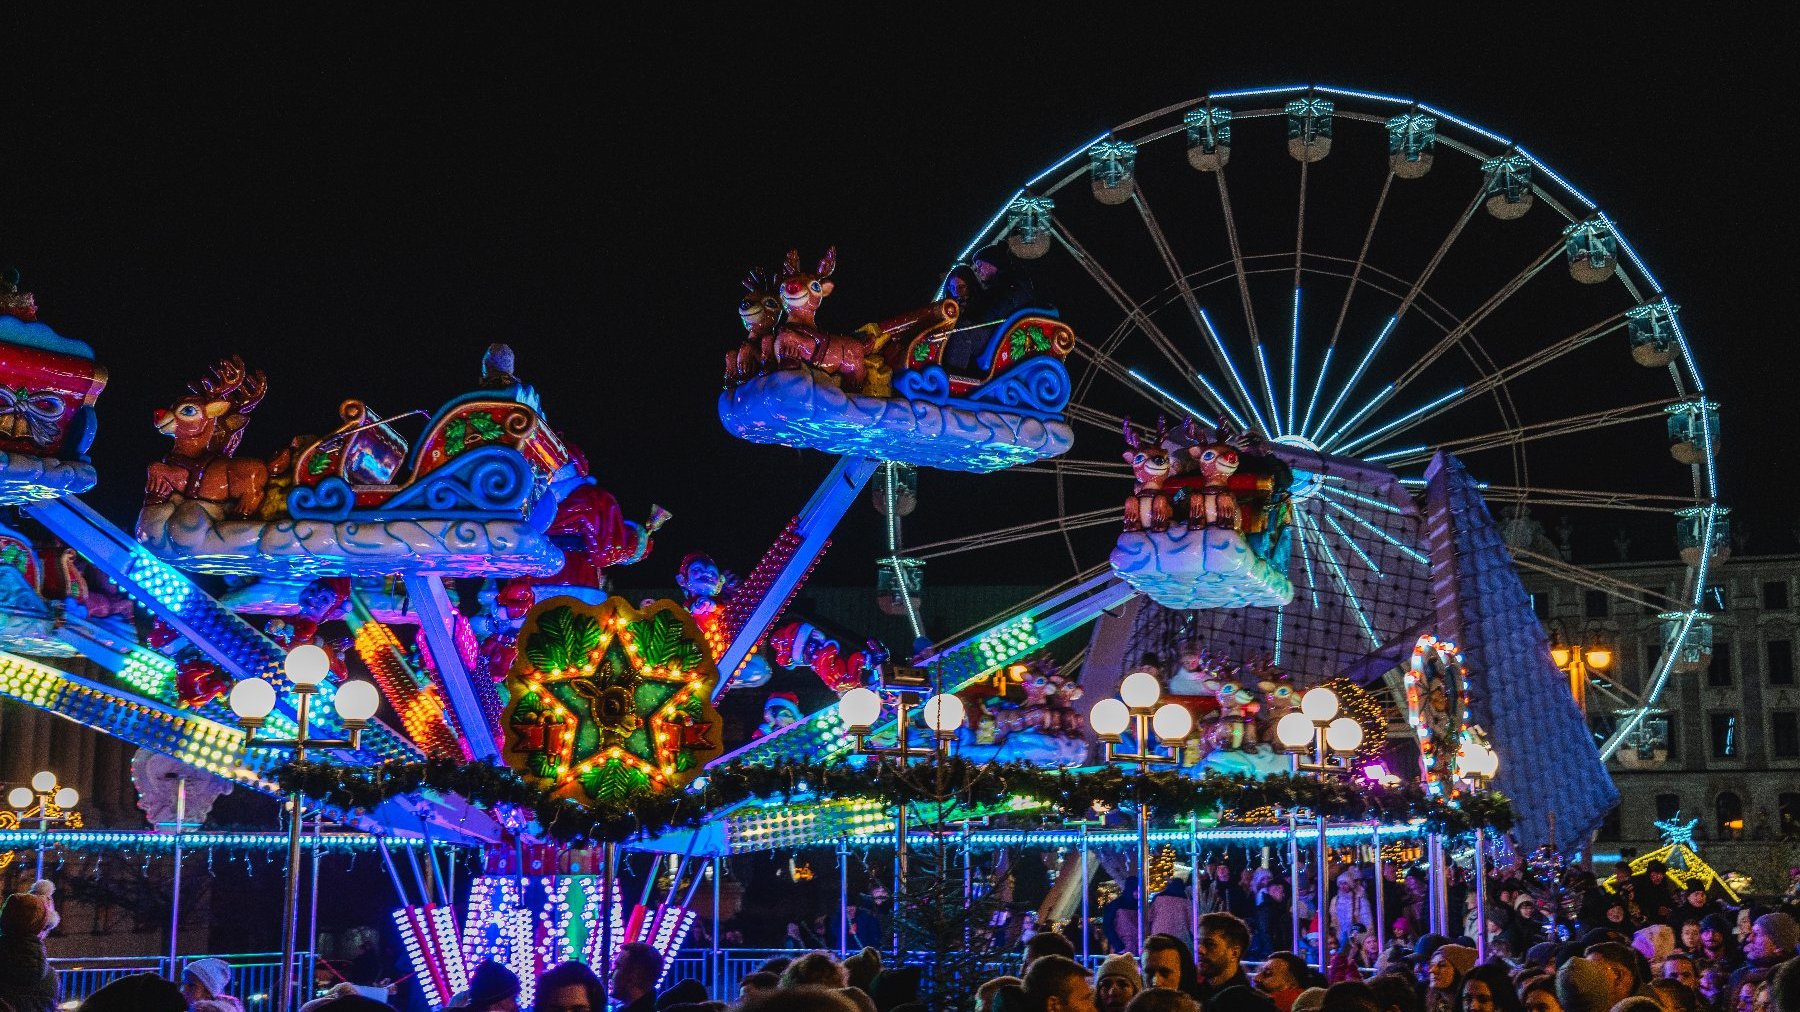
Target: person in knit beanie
{"type": "Point", "coordinates": [1772, 942]}
{"type": "Point", "coordinates": [27, 982]}
{"type": "Point", "coordinates": [1444, 976]}
{"type": "Point", "coordinates": [1116, 982]}
{"type": "Point", "coordinates": [45, 890]}
{"type": "Point", "coordinates": [861, 967]}
{"type": "Point", "coordinates": [207, 985]}
{"type": "Point", "coordinates": [1583, 985]}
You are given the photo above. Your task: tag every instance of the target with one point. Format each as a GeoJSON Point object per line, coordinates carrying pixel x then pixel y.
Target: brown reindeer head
{"type": "Point", "coordinates": [802, 290]}
{"type": "Point", "coordinates": [760, 306]}
{"type": "Point", "coordinates": [213, 416]}
{"type": "Point", "coordinates": [1149, 458]}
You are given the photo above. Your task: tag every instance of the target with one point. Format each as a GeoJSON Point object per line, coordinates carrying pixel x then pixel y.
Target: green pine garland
{"type": "Point", "coordinates": [1070, 793]}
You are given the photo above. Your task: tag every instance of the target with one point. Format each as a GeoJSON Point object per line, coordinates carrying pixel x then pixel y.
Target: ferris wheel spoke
{"type": "Point", "coordinates": [1500, 376]}
{"type": "Point", "coordinates": [1354, 547]}
{"type": "Point", "coordinates": [1568, 572]}
{"type": "Point", "coordinates": [1400, 546]}
{"type": "Point", "coordinates": [1337, 572]}
{"type": "Point", "coordinates": [1008, 535]}
{"type": "Point", "coordinates": [1312, 578]}
{"type": "Point", "coordinates": [1539, 431]}
{"type": "Point", "coordinates": [1294, 330]}
{"type": "Point", "coordinates": [1337, 327]}
{"type": "Point", "coordinates": [1644, 502]}
{"type": "Point", "coordinates": [1350, 384]}
{"type": "Point", "coordinates": [1160, 240]}
{"type": "Point", "coordinates": [1482, 312]}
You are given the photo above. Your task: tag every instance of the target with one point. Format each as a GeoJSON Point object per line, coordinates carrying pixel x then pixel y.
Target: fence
{"type": "Point", "coordinates": [253, 975]}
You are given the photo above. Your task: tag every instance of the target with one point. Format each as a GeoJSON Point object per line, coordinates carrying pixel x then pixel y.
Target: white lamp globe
{"type": "Point", "coordinates": [252, 698]}
{"type": "Point", "coordinates": [1344, 734]}
{"type": "Point", "coordinates": [20, 797]}
{"type": "Point", "coordinates": [43, 782]}
{"type": "Point", "coordinates": [1172, 722]}
{"type": "Point", "coordinates": [1109, 718]}
{"type": "Point", "coordinates": [1294, 731]}
{"type": "Point", "coordinates": [1140, 690]}
{"type": "Point", "coordinates": [307, 664]}
{"type": "Point", "coordinates": [357, 701]}
{"type": "Point", "coordinates": [1319, 704]}
{"type": "Point", "coordinates": [66, 798]}
{"type": "Point", "coordinates": [859, 708]}
{"type": "Point", "coordinates": [944, 712]}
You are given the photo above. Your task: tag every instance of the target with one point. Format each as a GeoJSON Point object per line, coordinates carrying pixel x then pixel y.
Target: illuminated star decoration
{"type": "Point", "coordinates": [1677, 834]}
{"type": "Point", "coordinates": [606, 702]}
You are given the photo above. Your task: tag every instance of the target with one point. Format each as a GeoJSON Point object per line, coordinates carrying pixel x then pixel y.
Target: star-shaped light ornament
{"type": "Point", "coordinates": [1676, 833]}
{"type": "Point", "coordinates": [607, 702]}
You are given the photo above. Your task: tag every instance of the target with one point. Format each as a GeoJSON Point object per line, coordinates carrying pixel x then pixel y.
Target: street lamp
{"type": "Point", "coordinates": [1319, 726]}
{"type": "Point", "coordinates": [253, 699]}
{"type": "Point", "coordinates": [47, 802]}
{"type": "Point", "coordinates": [1582, 663]}
{"type": "Point", "coordinates": [944, 714]}
{"type": "Point", "coordinates": [1136, 707]}
{"type": "Point", "coordinates": [1478, 763]}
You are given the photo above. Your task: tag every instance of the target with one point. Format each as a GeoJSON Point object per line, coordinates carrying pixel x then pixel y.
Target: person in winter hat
{"type": "Point", "coordinates": [1773, 940]}
{"type": "Point", "coordinates": [347, 997]}
{"type": "Point", "coordinates": [27, 982]}
{"type": "Point", "coordinates": [207, 985]}
{"type": "Point", "coordinates": [1654, 942]}
{"type": "Point", "coordinates": [1117, 982]}
{"type": "Point", "coordinates": [1583, 985]}
{"type": "Point", "coordinates": [45, 890]}
{"type": "Point", "coordinates": [492, 988]}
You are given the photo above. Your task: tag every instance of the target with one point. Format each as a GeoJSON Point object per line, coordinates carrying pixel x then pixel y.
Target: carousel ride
{"type": "Point", "coordinates": [1306, 398]}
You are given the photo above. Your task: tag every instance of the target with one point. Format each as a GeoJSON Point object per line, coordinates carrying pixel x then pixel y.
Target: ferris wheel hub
{"type": "Point", "coordinates": [1306, 483]}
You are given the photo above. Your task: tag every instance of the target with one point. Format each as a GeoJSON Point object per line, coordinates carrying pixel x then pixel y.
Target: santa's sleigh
{"type": "Point", "coordinates": [473, 497]}
{"type": "Point", "coordinates": [997, 408]}
{"type": "Point", "coordinates": [48, 385]}
{"type": "Point", "coordinates": [1240, 566]}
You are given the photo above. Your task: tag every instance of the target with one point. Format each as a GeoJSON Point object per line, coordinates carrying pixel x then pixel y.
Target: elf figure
{"type": "Point", "coordinates": [779, 710]}
{"type": "Point", "coordinates": [801, 645]}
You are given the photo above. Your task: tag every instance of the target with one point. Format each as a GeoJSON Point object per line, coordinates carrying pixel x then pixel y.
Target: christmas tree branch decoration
{"type": "Point", "coordinates": [645, 810]}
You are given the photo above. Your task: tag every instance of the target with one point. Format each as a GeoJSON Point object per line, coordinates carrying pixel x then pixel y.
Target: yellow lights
{"type": "Point", "coordinates": [1562, 655]}
{"type": "Point", "coordinates": [1599, 658]}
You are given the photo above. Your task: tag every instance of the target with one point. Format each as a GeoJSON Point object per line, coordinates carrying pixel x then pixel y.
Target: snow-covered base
{"type": "Point", "coordinates": [282, 597]}
{"type": "Point", "coordinates": [194, 535]}
{"type": "Point", "coordinates": [795, 408]}
{"type": "Point", "coordinates": [1210, 568]}
{"type": "Point", "coordinates": [1262, 762]}
{"type": "Point", "coordinates": [26, 624]}
{"type": "Point", "coordinates": [25, 480]}
{"type": "Point", "coordinates": [1033, 747]}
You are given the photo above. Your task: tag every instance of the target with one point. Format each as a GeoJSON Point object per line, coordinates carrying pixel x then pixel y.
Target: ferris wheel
{"type": "Point", "coordinates": [1365, 279]}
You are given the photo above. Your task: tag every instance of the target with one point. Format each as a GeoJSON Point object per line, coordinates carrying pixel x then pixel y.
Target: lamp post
{"type": "Point", "coordinates": [1478, 763]}
{"type": "Point", "coordinates": [48, 802]}
{"type": "Point", "coordinates": [1318, 725]}
{"type": "Point", "coordinates": [252, 700]}
{"type": "Point", "coordinates": [859, 709]}
{"type": "Point", "coordinates": [1583, 663]}
{"type": "Point", "coordinates": [1136, 707]}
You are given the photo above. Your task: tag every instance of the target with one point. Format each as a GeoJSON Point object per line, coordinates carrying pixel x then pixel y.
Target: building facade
{"type": "Point", "coordinates": [1722, 744]}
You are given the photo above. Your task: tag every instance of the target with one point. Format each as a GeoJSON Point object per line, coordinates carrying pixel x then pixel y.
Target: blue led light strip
{"type": "Point", "coordinates": [1294, 362]}
{"type": "Point", "coordinates": [1220, 398]}
{"type": "Point", "coordinates": [1403, 419]}
{"type": "Point", "coordinates": [1343, 581]}
{"type": "Point", "coordinates": [1318, 385]}
{"type": "Point", "coordinates": [1348, 540]}
{"type": "Point", "coordinates": [1338, 402]}
{"type": "Point", "coordinates": [146, 840]}
{"type": "Point", "coordinates": [1237, 378]}
{"type": "Point", "coordinates": [1412, 553]}
{"type": "Point", "coordinates": [1178, 402]}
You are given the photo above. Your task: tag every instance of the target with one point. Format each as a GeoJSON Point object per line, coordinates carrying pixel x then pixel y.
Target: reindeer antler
{"type": "Point", "coordinates": [790, 265]}
{"type": "Point", "coordinates": [757, 280]}
{"type": "Point", "coordinates": [828, 263]}
{"type": "Point", "coordinates": [1131, 436]}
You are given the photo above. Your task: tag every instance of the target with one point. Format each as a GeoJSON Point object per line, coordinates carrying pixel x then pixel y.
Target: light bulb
{"type": "Point", "coordinates": [1140, 690]}
{"type": "Point", "coordinates": [1599, 658]}
{"type": "Point", "coordinates": [66, 799]}
{"type": "Point", "coordinates": [20, 797]}
{"type": "Point", "coordinates": [307, 664]}
{"type": "Point", "coordinates": [252, 699]}
{"type": "Point", "coordinates": [1560, 656]}
{"type": "Point", "coordinates": [1294, 731]}
{"type": "Point", "coordinates": [1109, 718]}
{"type": "Point", "coordinates": [860, 708]}
{"type": "Point", "coordinates": [1344, 734]}
{"type": "Point", "coordinates": [357, 701]}
{"type": "Point", "coordinates": [43, 782]}
{"type": "Point", "coordinates": [944, 712]}
{"type": "Point", "coordinates": [1172, 723]}
{"type": "Point", "coordinates": [1319, 704]}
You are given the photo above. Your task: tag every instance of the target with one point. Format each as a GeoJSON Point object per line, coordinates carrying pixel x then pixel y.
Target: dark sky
{"type": "Point", "coordinates": [359, 203]}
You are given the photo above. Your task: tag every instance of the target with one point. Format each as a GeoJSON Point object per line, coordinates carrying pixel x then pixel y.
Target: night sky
{"type": "Point", "coordinates": [360, 206]}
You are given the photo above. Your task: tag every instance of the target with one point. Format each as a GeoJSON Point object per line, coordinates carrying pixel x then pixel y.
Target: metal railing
{"type": "Point", "coordinates": [254, 975]}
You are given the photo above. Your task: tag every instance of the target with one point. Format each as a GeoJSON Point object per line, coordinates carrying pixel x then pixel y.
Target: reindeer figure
{"type": "Point", "coordinates": [207, 427]}
{"type": "Point", "coordinates": [760, 310]}
{"type": "Point", "coordinates": [1215, 454]}
{"type": "Point", "coordinates": [799, 340]}
{"type": "Point", "coordinates": [1149, 508]}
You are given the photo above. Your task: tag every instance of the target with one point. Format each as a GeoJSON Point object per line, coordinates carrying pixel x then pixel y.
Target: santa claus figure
{"type": "Point", "coordinates": [779, 710]}
{"type": "Point", "coordinates": [802, 645]}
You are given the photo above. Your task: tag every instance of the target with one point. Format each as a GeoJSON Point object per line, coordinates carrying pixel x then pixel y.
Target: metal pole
{"type": "Point", "coordinates": [718, 873]}
{"type": "Point", "coordinates": [1143, 854]}
{"type": "Point", "coordinates": [1324, 871]}
{"type": "Point", "coordinates": [1087, 927]}
{"type": "Point", "coordinates": [312, 920]}
{"type": "Point", "coordinates": [1481, 921]}
{"type": "Point", "coordinates": [290, 904]}
{"type": "Point", "coordinates": [1293, 889]}
{"type": "Point", "coordinates": [1380, 896]}
{"type": "Point", "coordinates": [843, 860]}
{"type": "Point", "coordinates": [607, 942]}
{"type": "Point", "coordinates": [1438, 879]}
{"type": "Point", "coordinates": [43, 834]}
{"type": "Point", "coordinates": [899, 875]}
{"type": "Point", "coordinates": [1194, 878]}
{"type": "Point", "coordinates": [175, 902]}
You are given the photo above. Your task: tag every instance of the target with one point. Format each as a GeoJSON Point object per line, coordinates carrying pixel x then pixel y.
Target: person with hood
{"type": "Point", "coordinates": [1271, 921]}
{"type": "Point", "coordinates": [1773, 941]}
{"type": "Point", "coordinates": [1170, 911]}
{"type": "Point", "coordinates": [26, 980]}
{"type": "Point", "coordinates": [1655, 893]}
{"type": "Point", "coordinates": [1118, 918]}
{"type": "Point", "coordinates": [207, 985]}
{"type": "Point", "coordinates": [1350, 908]}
